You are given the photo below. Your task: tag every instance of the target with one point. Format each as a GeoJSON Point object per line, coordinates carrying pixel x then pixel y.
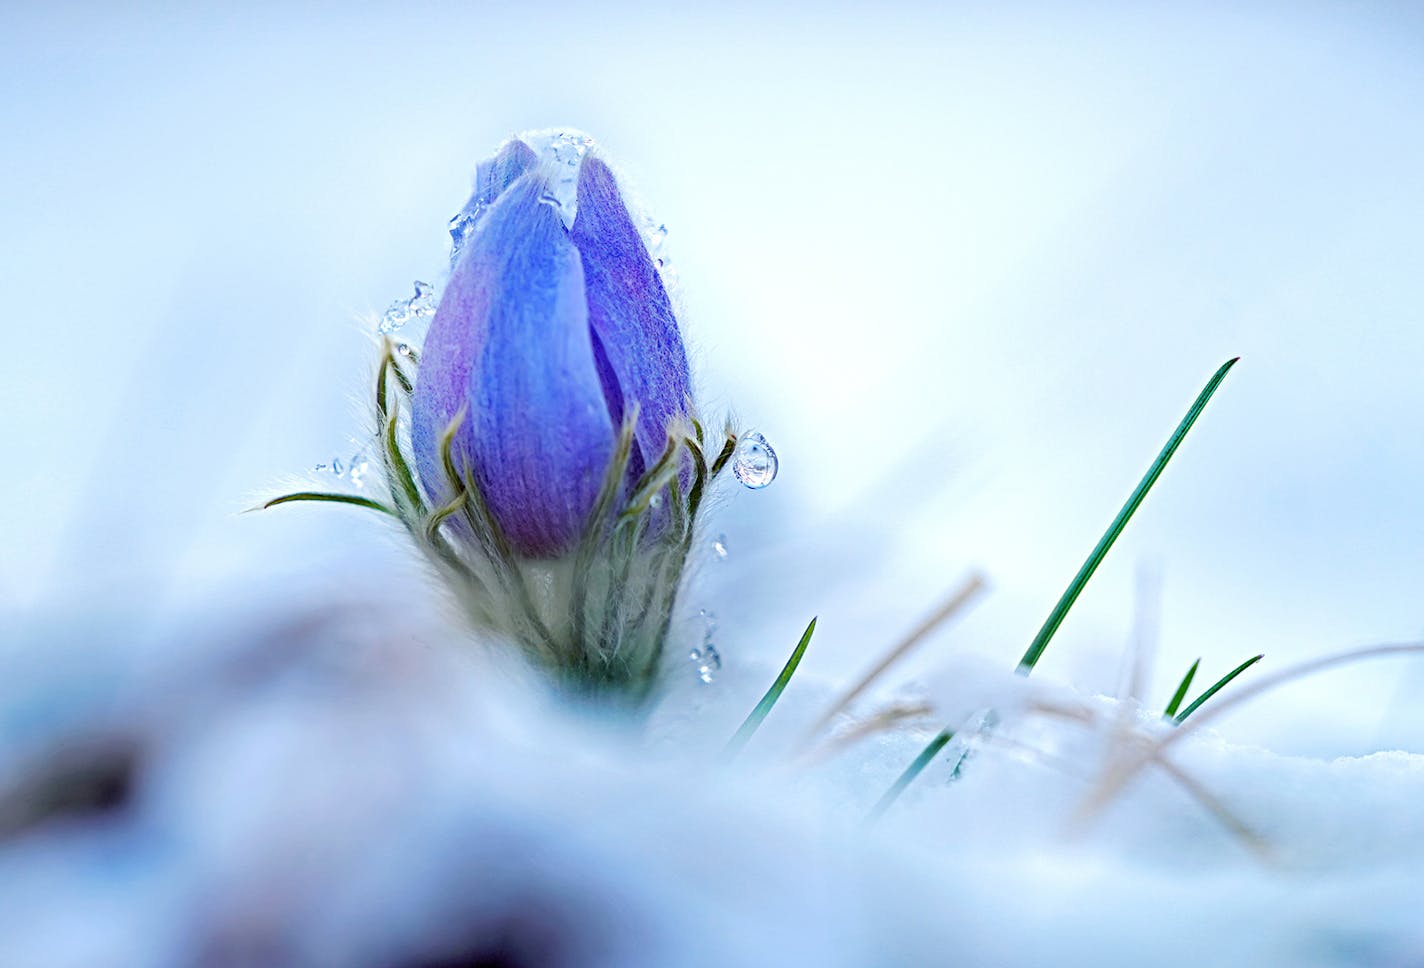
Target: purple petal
{"type": "Point", "coordinates": [510, 345]}
{"type": "Point", "coordinates": [492, 177]}
{"type": "Point", "coordinates": [629, 310]}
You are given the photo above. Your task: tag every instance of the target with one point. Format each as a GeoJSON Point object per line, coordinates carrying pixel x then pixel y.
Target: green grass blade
{"type": "Point", "coordinates": [754, 718]}
{"type": "Point", "coordinates": [1080, 580]}
{"type": "Point", "coordinates": [1181, 692]}
{"type": "Point", "coordinates": [926, 756]}
{"type": "Point", "coordinates": [1221, 683]}
{"type": "Point", "coordinates": [360, 502]}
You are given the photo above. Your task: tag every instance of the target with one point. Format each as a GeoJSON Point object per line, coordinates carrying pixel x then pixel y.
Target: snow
{"type": "Point", "coordinates": [346, 786]}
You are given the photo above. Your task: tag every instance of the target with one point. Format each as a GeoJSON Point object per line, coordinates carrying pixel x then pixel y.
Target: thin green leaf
{"type": "Point", "coordinates": [438, 516]}
{"type": "Point", "coordinates": [926, 757]}
{"type": "Point", "coordinates": [1181, 692]}
{"type": "Point", "coordinates": [759, 713]}
{"type": "Point", "coordinates": [352, 499]}
{"type": "Point", "coordinates": [595, 528]}
{"type": "Point", "coordinates": [381, 371]}
{"type": "Point", "coordinates": [1221, 683]}
{"type": "Point", "coordinates": [1080, 580]}
{"type": "Point", "coordinates": [400, 469]}
{"type": "Point", "coordinates": [652, 481]}
{"type": "Point", "coordinates": [699, 480]}
{"type": "Point", "coordinates": [729, 446]}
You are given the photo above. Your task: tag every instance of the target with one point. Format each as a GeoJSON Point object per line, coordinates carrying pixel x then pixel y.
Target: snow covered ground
{"type": "Point", "coordinates": [342, 786]}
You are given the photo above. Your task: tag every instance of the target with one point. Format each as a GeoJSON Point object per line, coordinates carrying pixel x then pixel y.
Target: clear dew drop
{"type": "Point", "coordinates": [654, 235]}
{"type": "Point", "coordinates": [705, 658]}
{"type": "Point", "coordinates": [561, 152]}
{"type": "Point", "coordinates": [656, 501]}
{"type": "Point", "coordinates": [360, 467]}
{"type": "Point", "coordinates": [405, 311]}
{"type": "Point", "coordinates": [355, 469]}
{"type": "Point", "coordinates": [755, 463]}
{"type": "Point", "coordinates": [719, 546]}
{"type": "Point", "coordinates": [403, 349]}
{"type": "Point", "coordinates": [460, 228]}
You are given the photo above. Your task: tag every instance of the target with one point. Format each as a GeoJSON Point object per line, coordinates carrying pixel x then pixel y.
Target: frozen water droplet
{"type": "Point", "coordinates": [356, 468]}
{"type": "Point", "coordinates": [461, 226]}
{"type": "Point", "coordinates": [561, 152]}
{"type": "Point", "coordinates": [755, 463]}
{"type": "Point", "coordinates": [705, 658]}
{"type": "Point", "coordinates": [709, 663]}
{"type": "Point", "coordinates": [719, 546]}
{"type": "Point", "coordinates": [403, 349]}
{"type": "Point", "coordinates": [360, 466]}
{"type": "Point", "coordinates": [404, 311]}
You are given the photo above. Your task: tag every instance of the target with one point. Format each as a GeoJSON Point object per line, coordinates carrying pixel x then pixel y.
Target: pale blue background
{"type": "Point", "coordinates": [965, 265]}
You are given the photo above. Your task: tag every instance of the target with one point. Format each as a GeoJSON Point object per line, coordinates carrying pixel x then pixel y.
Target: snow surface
{"type": "Point", "coordinates": [340, 786]}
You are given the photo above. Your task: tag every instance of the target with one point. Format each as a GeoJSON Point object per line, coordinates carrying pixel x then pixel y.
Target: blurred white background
{"type": "Point", "coordinates": [965, 265]}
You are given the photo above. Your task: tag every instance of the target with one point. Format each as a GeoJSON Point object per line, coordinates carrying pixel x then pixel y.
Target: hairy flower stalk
{"type": "Point", "coordinates": [542, 450]}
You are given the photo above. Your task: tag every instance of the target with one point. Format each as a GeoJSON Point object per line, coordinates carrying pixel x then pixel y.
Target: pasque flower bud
{"type": "Point", "coordinates": [559, 466]}
{"type": "Point", "coordinates": [544, 339]}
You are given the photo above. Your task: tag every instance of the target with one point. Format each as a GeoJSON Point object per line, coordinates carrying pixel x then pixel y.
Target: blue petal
{"type": "Point", "coordinates": [492, 177]}
{"type": "Point", "coordinates": [510, 345]}
{"type": "Point", "coordinates": [634, 329]}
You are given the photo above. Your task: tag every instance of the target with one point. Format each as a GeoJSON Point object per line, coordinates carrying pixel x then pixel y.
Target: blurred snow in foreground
{"type": "Point", "coordinates": [337, 787]}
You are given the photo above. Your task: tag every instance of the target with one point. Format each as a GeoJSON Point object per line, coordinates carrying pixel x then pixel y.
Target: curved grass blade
{"type": "Point", "coordinates": [1080, 580]}
{"type": "Point", "coordinates": [1220, 684]}
{"type": "Point", "coordinates": [1181, 692]}
{"type": "Point", "coordinates": [352, 499]}
{"type": "Point", "coordinates": [926, 756]}
{"type": "Point", "coordinates": [1105, 543]}
{"type": "Point", "coordinates": [755, 717]}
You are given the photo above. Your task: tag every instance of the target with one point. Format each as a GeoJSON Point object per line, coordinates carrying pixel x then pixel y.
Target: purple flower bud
{"type": "Point", "coordinates": [544, 338]}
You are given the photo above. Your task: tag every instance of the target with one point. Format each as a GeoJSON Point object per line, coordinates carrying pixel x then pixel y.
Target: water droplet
{"type": "Point", "coordinates": [461, 227]}
{"type": "Point", "coordinates": [705, 658]}
{"type": "Point", "coordinates": [719, 546]}
{"type": "Point", "coordinates": [404, 311]}
{"type": "Point", "coordinates": [403, 349]}
{"type": "Point", "coordinates": [755, 462]}
{"type": "Point", "coordinates": [654, 236]}
{"type": "Point", "coordinates": [656, 501]}
{"type": "Point", "coordinates": [355, 469]}
{"type": "Point", "coordinates": [561, 150]}
{"type": "Point", "coordinates": [360, 466]}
